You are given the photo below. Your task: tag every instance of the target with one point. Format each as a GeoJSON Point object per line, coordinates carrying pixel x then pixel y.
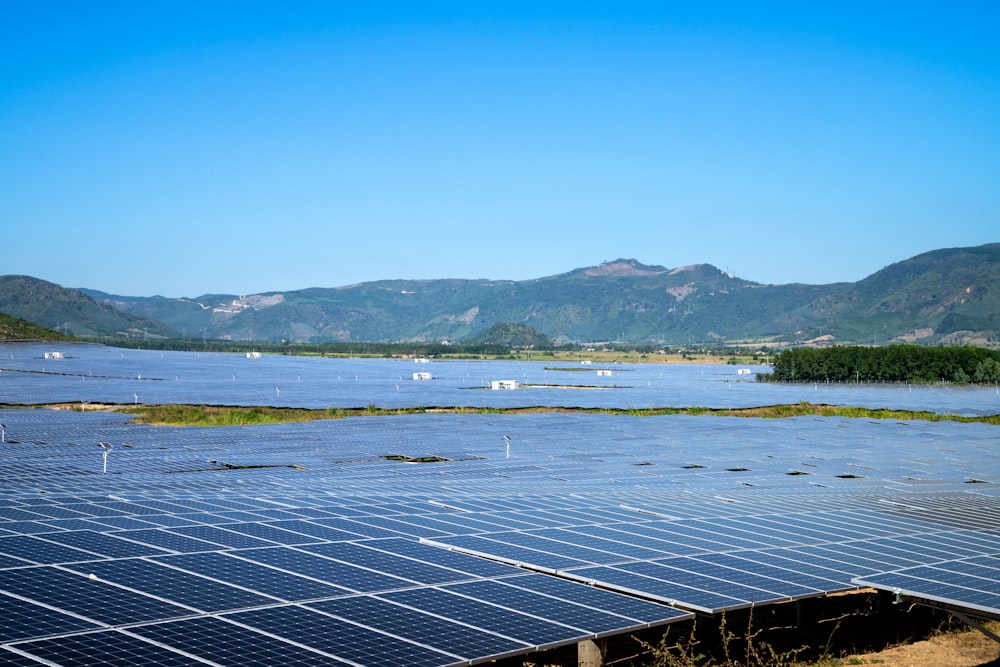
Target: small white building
{"type": "Point", "coordinates": [421, 376]}
{"type": "Point", "coordinates": [55, 355]}
{"type": "Point", "coordinates": [497, 385]}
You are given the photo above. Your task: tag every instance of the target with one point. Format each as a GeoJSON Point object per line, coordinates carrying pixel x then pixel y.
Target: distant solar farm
{"type": "Point", "coordinates": [460, 538]}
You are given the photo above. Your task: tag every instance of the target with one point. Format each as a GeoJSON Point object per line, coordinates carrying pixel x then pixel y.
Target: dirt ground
{"type": "Point", "coordinates": [958, 649]}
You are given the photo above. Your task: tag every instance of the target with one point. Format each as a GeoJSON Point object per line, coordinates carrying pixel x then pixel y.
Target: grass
{"type": "Point", "coordinates": [206, 415]}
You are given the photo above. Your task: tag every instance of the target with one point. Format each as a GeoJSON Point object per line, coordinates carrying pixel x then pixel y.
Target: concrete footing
{"type": "Point", "coordinates": [590, 653]}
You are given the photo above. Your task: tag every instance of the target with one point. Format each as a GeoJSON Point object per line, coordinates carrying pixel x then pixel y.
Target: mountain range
{"type": "Point", "coordinates": [944, 296]}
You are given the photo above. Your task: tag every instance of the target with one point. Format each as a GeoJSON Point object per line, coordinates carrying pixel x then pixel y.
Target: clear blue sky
{"type": "Point", "coordinates": [183, 148]}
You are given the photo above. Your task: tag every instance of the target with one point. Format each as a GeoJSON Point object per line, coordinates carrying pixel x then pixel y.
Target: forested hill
{"type": "Point", "coordinates": [13, 328]}
{"type": "Point", "coordinates": [72, 312]}
{"type": "Point", "coordinates": [893, 363]}
{"type": "Point", "coordinates": [944, 296]}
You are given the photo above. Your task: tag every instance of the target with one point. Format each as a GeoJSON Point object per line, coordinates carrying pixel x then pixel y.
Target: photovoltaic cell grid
{"type": "Point", "coordinates": [307, 524]}
{"type": "Point", "coordinates": [113, 375]}
{"type": "Point", "coordinates": [967, 585]}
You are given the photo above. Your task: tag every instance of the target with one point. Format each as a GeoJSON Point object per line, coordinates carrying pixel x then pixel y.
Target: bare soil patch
{"type": "Point", "coordinates": [965, 648]}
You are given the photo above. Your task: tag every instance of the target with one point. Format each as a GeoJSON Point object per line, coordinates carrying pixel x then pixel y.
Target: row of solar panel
{"type": "Point", "coordinates": [112, 375]}
{"type": "Point", "coordinates": [438, 625]}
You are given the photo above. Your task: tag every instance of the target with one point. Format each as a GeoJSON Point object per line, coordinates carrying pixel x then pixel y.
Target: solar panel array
{"type": "Point", "coordinates": [966, 585]}
{"type": "Point", "coordinates": [95, 374]}
{"type": "Point", "coordinates": [318, 543]}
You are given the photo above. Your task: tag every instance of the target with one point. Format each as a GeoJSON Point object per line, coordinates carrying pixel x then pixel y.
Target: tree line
{"type": "Point", "coordinates": [895, 363]}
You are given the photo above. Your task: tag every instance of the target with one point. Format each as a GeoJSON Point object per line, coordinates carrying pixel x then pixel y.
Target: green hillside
{"type": "Point", "coordinates": [71, 311]}
{"type": "Point", "coordinates": [949, 296]}
{"type": "Point", "coordinates": [14, 328]}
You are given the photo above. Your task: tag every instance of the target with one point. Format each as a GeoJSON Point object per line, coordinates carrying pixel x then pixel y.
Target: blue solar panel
{"type": "Point", "coordinates": [508, 623]}
{"type": "Point", "coordinates": [168, 540]}
{"type": "Point", "coordinates": [438, 556]}
{"type": "Point", "coordinates": [108, 546]}
{"type": "Point", "coordinates": [591, 621]}
{"type": "Point", "coordinates": [105, 648]}
{"type": "Point", "coordinates": [341, 531]}
{"type": "Point", "coordinates": [78, 594]}
{"type": "Point", "coordinates": [435, 630]}
{"type": "Point", "coordinates": [622, 605]}
{"type": "Point", "coordinates": [24, 620]}
{"type": "Point", "coordinates": [202, 593]}
{"type": "Point", "coordinates": [343, 639]}
{"type": "Point", "coordinates": [511, 553]}
{"type": "Point", "coordinates": [405, 568]}
{"type": "Point", "coordinates": [315, 530]}
{"type": "Point", "coordinates": [268, 580]}
{"type": "Point", "coordinates": [657, 588]}
{"type": "Point", "coordinates": [11, 659]}
{"type": "Point", "coordinates": [962, 592]}
{"type": "Point", "coordinates": [221, 537]}
{"type": "Point", "coordinates": [356, 578]}
{"type": "Point", "coordinates": [744, 561]}
{"type": "Point", "coordinates": [41, 551]}
{"type": "Point", "coordinates": [267, 531]}
{"type": "Point", "coordinates": [231, 645]}
{"type": "Point", "coordinates": [706, 567]}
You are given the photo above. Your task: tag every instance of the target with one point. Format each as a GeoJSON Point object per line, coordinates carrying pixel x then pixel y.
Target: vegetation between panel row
{"type": "Point", "coordinates": [209, 415]}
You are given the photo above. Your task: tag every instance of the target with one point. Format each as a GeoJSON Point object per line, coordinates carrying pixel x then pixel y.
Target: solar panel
{"type": "Point", "coordinates": [732, 573]}
{"type": "Point", "coordinates": [42, 551]}
{"type": "Point", "coordinates": [221, 537]}
{"type": "Point", "coordinates": [356, 578]}
{"type": "Point", "coordinates": [342, 639]}
{"type": "Point", "coordinates": [964, 584]}
{"type": "Point", "coordinates": [228, 644]}
{"type": "Point", "coordinates": [267, 531]}
{"type": "Point", "coordinates": [108, 647]}
{"type": "Point", "coordinates": [590, 621]}
{"type": "Point", "coordinates": [8, 657]}
{"type": "Point", "coordinates": [656, 588]}
{"type": "Point", "coordinates": [500, 549]}
{"type": "Point", "coordinates": [108, 546]}
{"type": "Point", "coordinates": [325, 533]}
{"type": "Point", "coordinates": [201, 593]}
{"type": "Point", "coordinates": [506, 622]}
{"type": "Point", "coordinates": [621, 605]}
{"type": "Point", "coordinates": [168, 540]}
{"type": "Point", "coordinates": [284, 585]}
{"type": "Point", "coordinates": [452, 560]}
{"type": "Point", "coordinates": [97, 600]}
{"type": "Point", "coordinates": [20, 619]}
{"type": "Point", "coordinates": [744, 562]}
{"type": "Point", "coordinates": [443, 634]}
{"type": "Point", "coordinates": [670, 508]}
{"type": "Point", "coordinates": [387, 563]}
{"type": "Point", "coordinates": [668, 572]}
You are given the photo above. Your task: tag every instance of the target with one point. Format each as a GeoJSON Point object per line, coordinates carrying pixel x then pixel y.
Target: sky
{"type": "Point", "coordinates": [185, 148]}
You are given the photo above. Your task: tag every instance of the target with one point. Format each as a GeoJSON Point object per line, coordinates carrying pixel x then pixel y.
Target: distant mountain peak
{"type": "Point", "coordinates": [624, 267]}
